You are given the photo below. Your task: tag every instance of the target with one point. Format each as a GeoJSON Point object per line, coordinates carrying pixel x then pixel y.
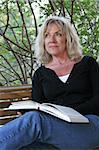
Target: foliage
{"type": "Point", "coordinates": [19, 24]}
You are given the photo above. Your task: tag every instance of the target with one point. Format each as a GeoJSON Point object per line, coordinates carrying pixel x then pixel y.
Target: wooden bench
{"type": "Point", "coordinates": [10, 94]}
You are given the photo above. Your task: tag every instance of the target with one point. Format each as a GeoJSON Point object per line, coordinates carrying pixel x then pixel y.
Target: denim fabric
{"type": "Point", "coordinates": [39, 146]}
{"type": "Point", "coordinates": [37, 127]}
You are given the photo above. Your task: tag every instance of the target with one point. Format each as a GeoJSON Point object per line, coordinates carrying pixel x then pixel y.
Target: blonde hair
{"type": "Point", "coordinates": [72, 40]}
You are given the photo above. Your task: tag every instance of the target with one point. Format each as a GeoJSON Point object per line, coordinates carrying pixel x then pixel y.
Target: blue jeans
{"type": "Point", "coordinates": [37, 127]}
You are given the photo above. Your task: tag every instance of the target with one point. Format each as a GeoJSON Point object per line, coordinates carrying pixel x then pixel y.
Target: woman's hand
{"type": "Point", "coordinates": [19, 113]}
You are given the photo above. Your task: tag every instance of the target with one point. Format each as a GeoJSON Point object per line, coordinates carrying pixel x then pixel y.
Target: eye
{"type": "Point", "coordinates": [46, 35]}
{"type": "Point", "coordinates": [59, 34]}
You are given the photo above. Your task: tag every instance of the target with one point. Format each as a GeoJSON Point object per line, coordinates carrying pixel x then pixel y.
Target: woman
{"type": "Point", "coordinates": [67, 78]}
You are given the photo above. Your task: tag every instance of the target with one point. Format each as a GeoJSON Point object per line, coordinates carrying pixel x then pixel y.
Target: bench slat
{"type": "Point", "coordinates": [6, 120]}
{"type": "Point", "coordinates": [15, 88]}
{"type": "Point", "coordinates": [15, 95]}
{"type": "Point", "coordinates": [7, 113]}
{"type": "Point", "coordinates": [4, 104]}
{"type": "Point", "coordinates": [9, 94]}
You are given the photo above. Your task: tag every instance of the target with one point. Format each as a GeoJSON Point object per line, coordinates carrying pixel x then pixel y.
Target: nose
{"type": "Point", "coordinates": [52, 37]}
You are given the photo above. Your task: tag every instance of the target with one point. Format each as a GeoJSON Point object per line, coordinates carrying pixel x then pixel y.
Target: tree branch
{"type": "Point", "coordinates": [33, 17]}
{"type": "Point", "coordinates": [22, 16]}
{"type": "Point", "coordinates": [7, 18]}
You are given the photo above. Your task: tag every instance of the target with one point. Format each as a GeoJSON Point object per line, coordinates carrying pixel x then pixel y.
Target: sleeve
{"type": "Point", "coordinates": [37, 90]}
{"type": "Point", "coordinates": [92, 105]}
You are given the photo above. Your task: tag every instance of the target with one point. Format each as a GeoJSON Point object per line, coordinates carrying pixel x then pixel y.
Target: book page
{"type": "Point", "coordinates": [23, 105]}
{"type": "Point", "coordinates": [65, 113]}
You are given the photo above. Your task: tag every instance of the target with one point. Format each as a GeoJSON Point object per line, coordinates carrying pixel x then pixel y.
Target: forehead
{"type": "Point", "coordinates": [51, 23]}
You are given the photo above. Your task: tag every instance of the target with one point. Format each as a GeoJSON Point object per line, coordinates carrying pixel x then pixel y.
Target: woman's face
{"type": "Point", "coordinates": [54, 40]}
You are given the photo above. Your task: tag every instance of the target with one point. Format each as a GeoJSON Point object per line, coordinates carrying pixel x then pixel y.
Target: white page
{"type": "Point", "coordinates": [23, 105]}
{"type": "Point", "coordinates": [65, 113]}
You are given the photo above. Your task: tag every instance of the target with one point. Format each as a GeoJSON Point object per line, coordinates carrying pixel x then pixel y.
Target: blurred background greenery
{"type": "Point", "coordinates": [19, 24]}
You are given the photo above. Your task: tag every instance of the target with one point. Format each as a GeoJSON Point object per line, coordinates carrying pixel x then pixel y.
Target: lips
{"type": "Point", "coordinates": [52, 45]}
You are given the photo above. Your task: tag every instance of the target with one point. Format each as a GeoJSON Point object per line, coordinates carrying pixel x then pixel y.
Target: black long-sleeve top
{"type": "Point", "coordinates": [80, 91]}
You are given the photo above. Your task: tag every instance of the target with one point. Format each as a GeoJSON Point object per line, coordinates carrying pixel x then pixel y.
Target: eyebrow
{"type": "Point", "coordinates": [55, 31]}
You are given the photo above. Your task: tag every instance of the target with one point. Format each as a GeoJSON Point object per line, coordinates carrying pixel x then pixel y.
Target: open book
{"type": "Point", "coordinates": [62, 112]}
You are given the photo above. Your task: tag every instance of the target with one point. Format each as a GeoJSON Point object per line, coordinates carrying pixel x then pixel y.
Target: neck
{"type": "Point", "coordinates": [60, 59]}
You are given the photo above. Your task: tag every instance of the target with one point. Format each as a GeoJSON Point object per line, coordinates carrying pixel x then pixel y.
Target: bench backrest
{"type": "Point", "coordinates": [9, 94]}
